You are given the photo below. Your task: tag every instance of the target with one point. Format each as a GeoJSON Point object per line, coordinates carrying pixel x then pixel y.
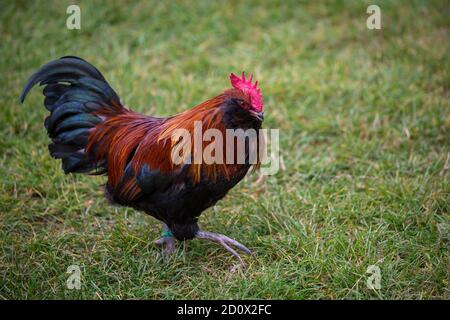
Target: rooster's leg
{"type": "Point", "coordinates": [226, 242]}
{"type": "Point", "coordinates": [167, 241]}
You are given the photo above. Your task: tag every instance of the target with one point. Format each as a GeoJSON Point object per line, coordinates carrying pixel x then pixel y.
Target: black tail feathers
{"type": "Point", "coordinates": [75, 91]}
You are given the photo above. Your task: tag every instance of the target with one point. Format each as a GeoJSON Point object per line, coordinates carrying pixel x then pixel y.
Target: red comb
{"type": "Point", "coordinates": [248, 88]}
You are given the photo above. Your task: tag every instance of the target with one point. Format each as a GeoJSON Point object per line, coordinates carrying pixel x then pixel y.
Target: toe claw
{"type": "Point", "coordinates": [160, 241]}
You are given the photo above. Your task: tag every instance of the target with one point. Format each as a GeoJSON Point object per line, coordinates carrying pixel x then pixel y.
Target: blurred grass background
{"type": "Point", "coordinates": [364, 125]}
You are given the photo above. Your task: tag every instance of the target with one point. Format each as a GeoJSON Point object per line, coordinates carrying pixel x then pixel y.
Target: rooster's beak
{"type": "Point", "coordinates": [258, 115]}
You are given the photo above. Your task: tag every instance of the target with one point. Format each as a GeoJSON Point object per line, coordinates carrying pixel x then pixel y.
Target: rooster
{"type": "Point", "coordinates": [92, 132]}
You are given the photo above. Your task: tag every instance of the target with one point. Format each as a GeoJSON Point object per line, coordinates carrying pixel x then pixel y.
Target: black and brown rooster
{"type": "Point", "coordinates": [92, 132]}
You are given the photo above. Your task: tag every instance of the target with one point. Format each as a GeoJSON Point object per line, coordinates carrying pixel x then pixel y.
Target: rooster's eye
{"type": "Point", "coordinates": [241, 103]}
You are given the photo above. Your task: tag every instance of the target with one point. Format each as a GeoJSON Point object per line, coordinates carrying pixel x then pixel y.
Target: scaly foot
{"type": "Point", "coordinates": [167, 241]}
{"type": "Point", "coordinates": [226, 242]}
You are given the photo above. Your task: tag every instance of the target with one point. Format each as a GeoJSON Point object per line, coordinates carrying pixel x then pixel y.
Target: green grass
{"type": "Point", "coordinates": [365, 136]}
